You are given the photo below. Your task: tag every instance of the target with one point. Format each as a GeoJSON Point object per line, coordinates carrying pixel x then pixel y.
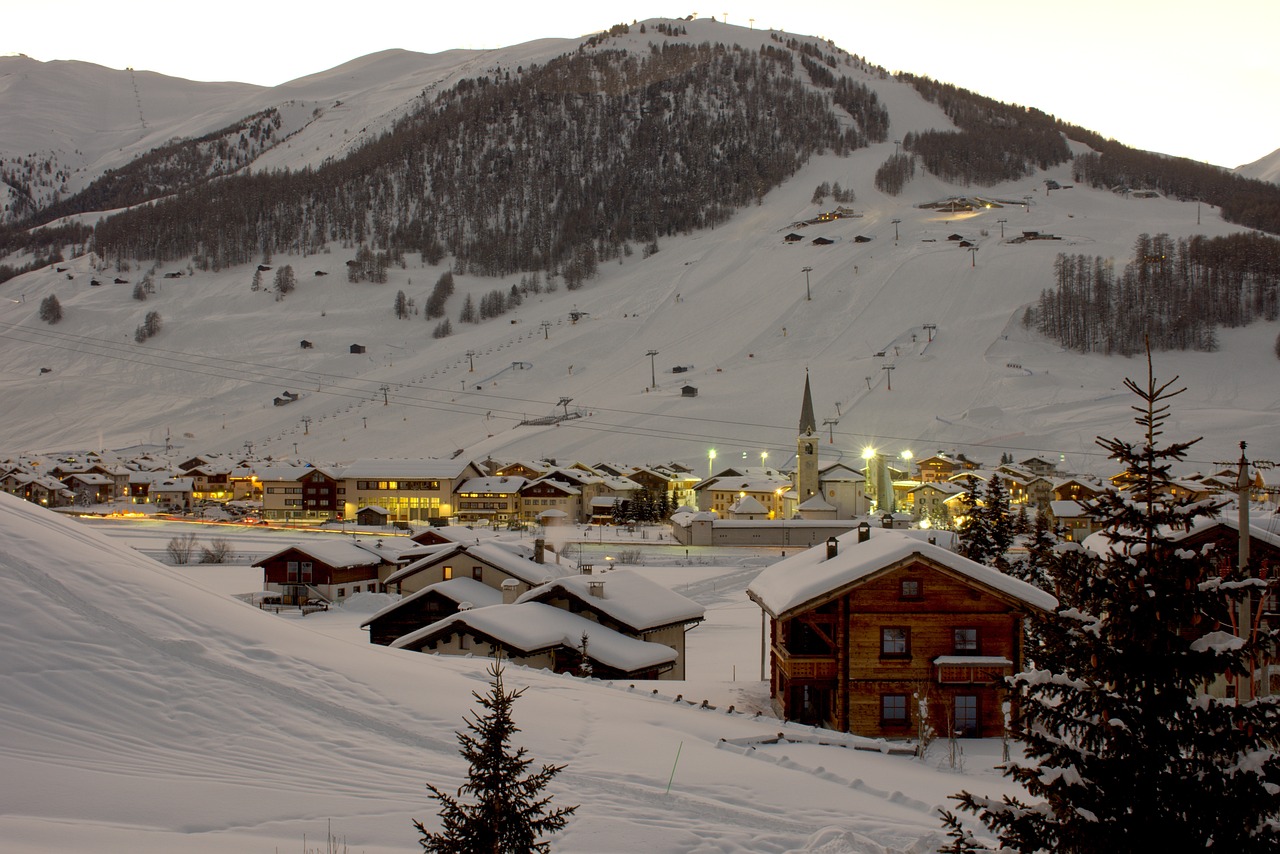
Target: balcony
{"type": "Point", "coordinates": [971, 669]}
{"type": "Point", "coordinates": [793, 666]}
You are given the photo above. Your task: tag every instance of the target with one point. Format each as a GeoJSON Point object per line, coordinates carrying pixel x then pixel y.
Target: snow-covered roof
{"type": "Point", "coordinates": [502, 558]}
{"type": "Point", "coordinates": [791, 583]}
{"type": "Point", "coordinates": [428, 469]}
{"type": "Point", "coordinates": [338, 553]}
{"type": "Point", "coordinates": [816, 502]}
{"type": "Point", "coordinates": [748, 504]}
{"type": "Point", "coordinates": [497, 485]}
{"type": "Point", "coordinates": [532, 627]}
{"type": "Point", "coordinates": [629, 598]}
{"type": "Point", "coordinates": [460, 589]}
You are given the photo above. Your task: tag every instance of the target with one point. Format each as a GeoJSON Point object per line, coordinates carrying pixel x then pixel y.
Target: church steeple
{"type": "Point", "coordinates": [808, 424]}
{"type": "Point", "coordinates": [807, 483]}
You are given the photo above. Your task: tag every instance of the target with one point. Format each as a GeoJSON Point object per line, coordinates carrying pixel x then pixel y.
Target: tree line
{"type": "Point", "coordinates": [554, 168]}
{"type": "Point", "coordinates": [1174, 293]}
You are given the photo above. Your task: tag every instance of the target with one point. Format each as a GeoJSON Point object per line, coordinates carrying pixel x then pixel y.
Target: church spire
{"type": "Point", "coordinates": [808, 424]}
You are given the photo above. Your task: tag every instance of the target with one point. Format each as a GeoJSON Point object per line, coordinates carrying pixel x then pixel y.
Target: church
{"type": "Point", "coordinates": [825, 498]}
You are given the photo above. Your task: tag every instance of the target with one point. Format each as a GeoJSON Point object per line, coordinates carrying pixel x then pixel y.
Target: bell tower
{"type": "Point", "coordinates": [807, 449]}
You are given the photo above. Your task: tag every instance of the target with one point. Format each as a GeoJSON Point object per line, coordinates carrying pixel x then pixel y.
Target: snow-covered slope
{"type": "Point", "coordinates": [143, 713]}
{"type": "Point", "coordinates": [1264, 169]}
{"type": "Point", "coordinates": [729, 302]}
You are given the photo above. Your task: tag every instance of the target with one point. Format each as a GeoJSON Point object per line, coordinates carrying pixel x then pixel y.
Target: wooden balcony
{"type": "Point", "coordinates": [804, 666]}
{"type": "Point", "coordinates": [971, 669]}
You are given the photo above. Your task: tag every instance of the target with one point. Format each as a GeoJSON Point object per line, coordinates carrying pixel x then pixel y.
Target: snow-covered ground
{"type": "Point", "coordinates": [145, 709]}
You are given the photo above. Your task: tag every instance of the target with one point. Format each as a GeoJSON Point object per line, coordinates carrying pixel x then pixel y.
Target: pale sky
{"type": "Point", "coordinates": [1180, 77]}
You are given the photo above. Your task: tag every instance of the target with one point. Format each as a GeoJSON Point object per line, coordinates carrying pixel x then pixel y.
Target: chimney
{"type": "Point", "coordinates": [539, 550]}
{"type": "Point", "coordinates": [933, 541]}
{"type": "Point", "coordinates": [864, 532]}
{"type": "Point", "coordinates": [596, 589]}
{"type": "Point", "coordinates": [585, 568]}
{"type": "Point", "coordinates": [510, 591]}
{"type": "Point", "coordinates": [833, 547]}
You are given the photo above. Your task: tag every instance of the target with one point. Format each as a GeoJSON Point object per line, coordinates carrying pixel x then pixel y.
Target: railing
{"type": "Point", "coordinates": [804, 666]}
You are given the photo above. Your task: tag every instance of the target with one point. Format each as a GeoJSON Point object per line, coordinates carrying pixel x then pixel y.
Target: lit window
{"type": "Point", "coordinates": [448, 573]}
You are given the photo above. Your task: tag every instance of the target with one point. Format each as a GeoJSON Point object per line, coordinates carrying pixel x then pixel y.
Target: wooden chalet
{"type": "Point", "coordinates": [860, 625]}
{"type": "Point", "coordinates": [487, 563]}
{"type": "Point", "coordinates": [429, 605]}
{"type": "Point", "coordinates": [325, 571]}
{"type": "Point", "coordinates": [536, 635]}
{"type": "Point", "coordinates": [628, 603]}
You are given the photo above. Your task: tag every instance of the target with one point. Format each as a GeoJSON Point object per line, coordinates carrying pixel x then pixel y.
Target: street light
{"type": "Point", "coordinates": [711, 461]}
{"type": "Point", "coordinates": [763, 456]}
{"type": "Point", "coordinates": [808, 295]}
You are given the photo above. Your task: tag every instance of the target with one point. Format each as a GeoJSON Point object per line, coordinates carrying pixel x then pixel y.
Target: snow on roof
{"type": "Point", "coordinates": [459, 590]}
{"type": "Point", "coordinates": [521, 568]}
{"type": "Point", "coordinates": [500, 485]}
{"type": "Point", "coordinates": [427, 469]}
{"type": "Point", "coordinates": [337, 553]}
{"type": "Point", "coordinates": [630, 598]}
{"type": "Point", "coordinates": [789, 584]}
{"type": "Point", "coordinates": [279, 473]}
{"type": "Point", "coordinates": [816, 502]}
{"type": "Point", "coordinates": [532, 627]}
{"type": "Point", "coordinates": [747, 504]}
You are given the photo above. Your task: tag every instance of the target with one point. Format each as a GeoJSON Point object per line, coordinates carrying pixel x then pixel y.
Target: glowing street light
{"type": "Point", "coordinates": [711, 461]}
{"type": "Point", "coordinates": [763, 455]}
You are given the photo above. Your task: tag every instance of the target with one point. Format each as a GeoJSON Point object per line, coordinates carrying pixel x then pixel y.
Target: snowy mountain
{"type": "Point", "coordinates": [911, 340]}
{"type": "Point", "coordinates": [1264, 169]}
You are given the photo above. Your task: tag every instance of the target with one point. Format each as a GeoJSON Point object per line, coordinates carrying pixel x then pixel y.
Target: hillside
{"type": "Point", "coordinates": [728, 302]}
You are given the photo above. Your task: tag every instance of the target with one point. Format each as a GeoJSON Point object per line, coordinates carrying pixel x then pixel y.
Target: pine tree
{"type": "Point", "coordinates": [1124, 749]}
{"type": "Point", "coordinates": [1035, 569]}
{"type": "Point", "coordinates": [509, 811]}
{"type": "Point", "coordinates": [401, 306]}
{"type": "Point", "coordinates": [50, 310]}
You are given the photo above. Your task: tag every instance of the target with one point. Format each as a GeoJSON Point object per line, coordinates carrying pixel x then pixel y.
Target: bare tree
{"type": "Point", "coordinates": [181, 548]}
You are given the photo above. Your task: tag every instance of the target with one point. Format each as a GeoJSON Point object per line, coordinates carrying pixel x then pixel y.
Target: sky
{"type": "Point", "coordinates": [1168, 77]}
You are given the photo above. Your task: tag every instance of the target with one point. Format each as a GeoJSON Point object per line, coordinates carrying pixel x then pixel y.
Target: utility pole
{"type": "Point", "coordinates": [806, 270]}
{"type": "Point", "coordinates": [653, 371]}
{"type": "Point", "coordinates": [888, 369]}
{"type": "Point", "coordinates": [895, 222]}
{"type": "Point", "coordinates": [1002, 222]}
{"type": "Point", "coordinates": [973, 256]}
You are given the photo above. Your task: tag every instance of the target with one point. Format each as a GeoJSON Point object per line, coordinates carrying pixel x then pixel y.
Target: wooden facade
{"type": "Point", "coordinates": [859, 658]}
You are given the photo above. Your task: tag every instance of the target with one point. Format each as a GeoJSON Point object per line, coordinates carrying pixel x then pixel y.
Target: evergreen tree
{"type": "Point", "coordinates": [1035, 569]}
{"type": "Point", "coordinates": [468, 313]}
{"type": "Point", "coordinates": [1124, 749]}
{"type": "Point", "coordinates": [401, 307]}
{"type": "Point", "coordinates": [509, 811]}
{"type": "Point", "coordinates": [50, 310]}
{"type": "Point", "coordinates": [285, 281]}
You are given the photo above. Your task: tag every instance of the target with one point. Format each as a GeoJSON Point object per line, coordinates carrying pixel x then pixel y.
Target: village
{"type": "Point", "coordinates": [866, 600]}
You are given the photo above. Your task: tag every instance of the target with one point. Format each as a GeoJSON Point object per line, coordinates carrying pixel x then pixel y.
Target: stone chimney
{"type": "Point", "coordinates": [596, 589]}
{"type": "Point", "coordinates": [510, 591]}
{"type": "Point", "coordinates": [539, 550]}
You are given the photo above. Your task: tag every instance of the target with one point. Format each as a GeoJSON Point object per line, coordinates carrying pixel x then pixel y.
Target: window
{"type": "Point", "coordinates": [305, 566]}
{"type": "Point", "coordinates": [965, 641]}
{"type": "Point", "coordinates": [893, 710]}
{"type": "Point", "coordinates": [966, 715]}
{"type": "Point", "coordinates": [910, 588]}
{"type": "Point", "coordinates": [291, 571]}
{"type": "Point", "coordinates": [448, 573]}
{"type": "Point", "coordinates": [895, 642]}
{"type": "Point", "coordinates": [464, 641]}
{"type": "Point", "coordinates": [477, 572]}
